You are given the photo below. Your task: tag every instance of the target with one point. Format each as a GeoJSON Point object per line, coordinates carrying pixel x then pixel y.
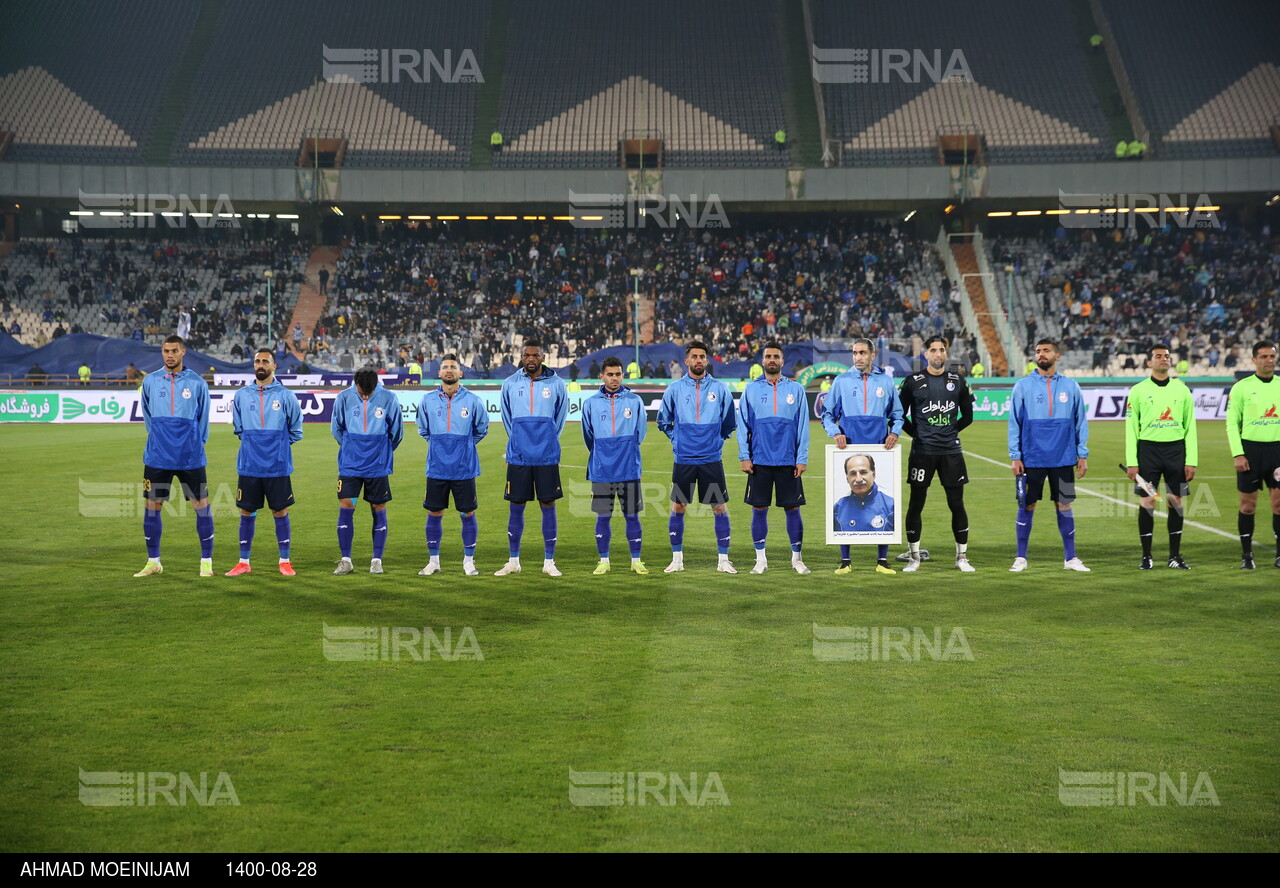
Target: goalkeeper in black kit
{"type": "Point", "coordinates": [937, 406]}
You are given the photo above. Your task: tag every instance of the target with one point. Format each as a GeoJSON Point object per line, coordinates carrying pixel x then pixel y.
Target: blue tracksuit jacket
{"type": "Point", "coordinates": [1048, 423]}
{"type": "Point", "coordinates": [874, 514]}
{"type": "Point", "coordinates": [367, 432]}
{"type": "Point", "coordinates": [613, 425]}
{"type": "Point", "coordinates": [452, 427]}
{"type": "Point", "coordinates": [863, 407]}
{"type": "Point", "coordinates": [533, 413]}
{"type": "Point", "coordinates": [697, 415]}
{"type": "Point", "coordinates": [268, 422]}
{"type": "Point", "coordinates": [773, 423]}
{"type": "Point", "coordinates": [175, 408]}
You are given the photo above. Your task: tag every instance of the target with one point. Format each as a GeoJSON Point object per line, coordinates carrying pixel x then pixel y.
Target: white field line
{"type": "Point", "coordinates": [1127, 503]}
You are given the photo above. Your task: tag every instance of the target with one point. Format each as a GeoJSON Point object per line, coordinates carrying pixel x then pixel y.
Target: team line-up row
{"type": "Point", "coordinates": [1048, 444]}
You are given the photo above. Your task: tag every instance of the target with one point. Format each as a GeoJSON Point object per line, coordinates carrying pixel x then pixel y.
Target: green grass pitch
{"type": "Point", "coordinates": [1112, 671]}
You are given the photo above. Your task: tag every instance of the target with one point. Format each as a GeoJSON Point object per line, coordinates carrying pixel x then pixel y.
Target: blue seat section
{"type": "Point", "coordinates": [720, 58]}
{"type": "Point", "coordinates": [1025, 52]}
{"type": "Point", "coordinates": [264, 53]}
{"type": "Point", "coordinates": [118, 57]}
{"type": "Point", "coordinates": [1181, 54]}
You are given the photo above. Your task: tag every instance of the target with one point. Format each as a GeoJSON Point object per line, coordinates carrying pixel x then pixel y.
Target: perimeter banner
{"type": "Point", "coordinates": [87, 405]}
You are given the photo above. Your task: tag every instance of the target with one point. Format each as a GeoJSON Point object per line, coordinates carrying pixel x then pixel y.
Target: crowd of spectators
{"type": "Point", "coordinates": [573, 290]}
{"type": "Point", "coordinates": [424, 292]}
{"type": "Point", "coordinates": [1207, 294]}
{"type": "Point", "coordinates": [214, 294]}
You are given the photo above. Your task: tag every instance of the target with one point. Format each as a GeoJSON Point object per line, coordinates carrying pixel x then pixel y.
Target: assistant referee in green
{"type": "Point", "coordinates": [1160, 442]}
{"type": "Point", "coordinates": [1253, 431]}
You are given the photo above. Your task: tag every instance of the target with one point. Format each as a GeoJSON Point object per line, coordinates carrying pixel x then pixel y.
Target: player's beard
{"type": "Point", "coordinates": [260, 375]}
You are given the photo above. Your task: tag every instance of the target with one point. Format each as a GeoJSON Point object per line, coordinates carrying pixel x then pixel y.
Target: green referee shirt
{"type": "Point", "coordinates": [1253, 412]}
{"type": "Point", "coordinates": [1162, 413]}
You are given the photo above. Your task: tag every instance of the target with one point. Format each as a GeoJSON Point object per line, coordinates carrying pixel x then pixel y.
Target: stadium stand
{"type": "Point", "coordinates": [706, 78]}
{"type": "Point", "coordinates": [81, 82]}
{"type": "Point", "coordinates": [1208, 84]}
{"type": "Point", "coordinates": [265, 82]}
{"type": "Point", "coordinates": [1108, 296]}
{"type": "Point", "coordinates": [1019, 55]}
{"type": "Point", "coordinates": [132, 289]}
{"type": "Point", "coordinates": [571, 289]}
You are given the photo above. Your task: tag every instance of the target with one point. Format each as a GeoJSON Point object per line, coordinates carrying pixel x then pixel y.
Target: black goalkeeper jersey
{"type": "Point", "coordinates": [936, 410]}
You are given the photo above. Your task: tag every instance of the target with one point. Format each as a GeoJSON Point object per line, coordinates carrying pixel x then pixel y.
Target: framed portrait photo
{"type": "Point", "coordinates": [864, 494]}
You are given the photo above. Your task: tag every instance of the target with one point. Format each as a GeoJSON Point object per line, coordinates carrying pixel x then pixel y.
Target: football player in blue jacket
{"type": "Point", "coordinates": [368, 428]}
{"type": "Point", "coordinates": [697, 415]}
{"type": "Point", "coordinates": [1048, 441]}
{"type": "Point", "coordinates": [267, 419]}
{"type": "Point", "coordinates": [535, 405]}
{"type": "Point", "coordinates": [613, 426]}
{"type": "Point", "coordinates": [863, 407]}
{"type": "Point", "coordinates": [175, 408]}
{"type": "Point", "coordinates": [453, 421]}
{"type": "Point", "coordinates": [773, 447]}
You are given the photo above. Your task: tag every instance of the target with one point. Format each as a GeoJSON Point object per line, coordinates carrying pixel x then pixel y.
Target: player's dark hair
{"type": "Point", "coordinates": [932, 339]}
{"type": "Point", "coordinates": [531, 343]}
{"type": "Point", "coordinates": [263, 351]}
{"type": "Point", "coordinates": [772, 343]}
{"type": "Point", "coordinates": [870, 459]}
{"type": "Point", "coordinates": [366, 380]}
{"type": "Point", "coordinates": [1155, 347]}
{"type": "Point", "coordinates": [175, 338]}
{"type": "Point", "coordinates": [862, 340]}
{"type": "Point", "coordinates": [1049, 342]}
{"type": "Point", "coordinates": [1259, 346]}
{"type": "Point", "coordinates": [610, 361]}
{"type": "Point", "coordinates": [450, 357]}
{"type": "Point", "coordinates": [694, 345]}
